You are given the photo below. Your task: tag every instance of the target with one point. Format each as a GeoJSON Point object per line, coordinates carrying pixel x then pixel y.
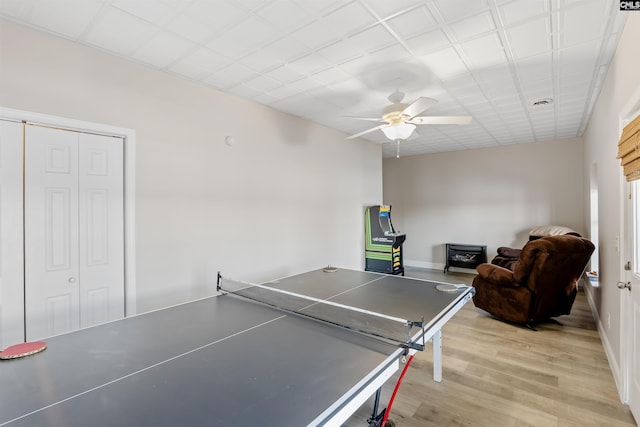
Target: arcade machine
{"type": "Point", "coordinates": [383, 246]}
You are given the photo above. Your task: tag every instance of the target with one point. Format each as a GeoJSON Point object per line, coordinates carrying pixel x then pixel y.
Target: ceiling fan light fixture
{"type": "Point", "coordinates": [398, 131]}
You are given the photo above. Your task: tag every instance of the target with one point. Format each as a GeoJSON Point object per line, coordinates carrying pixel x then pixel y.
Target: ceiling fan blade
{"type": "Point", "coordinates": [367, 131]}
{"type": "Point", "coordinates": [371, 119]}
{"type": "Point", "coordinates": [441, 120]}
{"type": "Point", "coordinates": [418, 106]}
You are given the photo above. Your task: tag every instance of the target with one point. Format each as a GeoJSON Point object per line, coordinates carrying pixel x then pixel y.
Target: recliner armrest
{"type": "Point", "coordinates": [509, 252]}
{"type": "Point", "coordinates": [497, 275]}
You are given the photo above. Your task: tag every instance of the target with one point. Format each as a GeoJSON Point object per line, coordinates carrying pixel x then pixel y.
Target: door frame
{"type": "Point", "coordinates": [129, 137]}
{"type": "Point", "coordinates": [630, 110]}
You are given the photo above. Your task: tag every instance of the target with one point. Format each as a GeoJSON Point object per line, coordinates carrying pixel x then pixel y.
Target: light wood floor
{"type": "Point", "coordinates": [496, 374]}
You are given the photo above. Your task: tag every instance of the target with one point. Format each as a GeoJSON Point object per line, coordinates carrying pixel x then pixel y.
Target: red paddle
{"type": "Point", "coordinates": [22, 350]}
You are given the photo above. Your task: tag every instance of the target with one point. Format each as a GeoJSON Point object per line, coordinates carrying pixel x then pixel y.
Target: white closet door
{"type": "Point", "coordinates": [51, 232]}
{"type": "Point", "coordinates": [11, 237]}
{"type": "Point", "coordinates": [74, 256]}
{"type": "Point", "coordinates": [101, 221]}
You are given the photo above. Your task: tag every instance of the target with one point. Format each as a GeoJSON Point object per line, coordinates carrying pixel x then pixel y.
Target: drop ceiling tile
{"type": "Point", "coordinates": [572, 90]}
{"type": "Point", "coordinates": [19, 9]}
{"type": "Point", "coordinates": [531, 38]}
{"type": "Point", "coordinates": [286, 49]}
{"type": "Point", "coordinates": [470, 92]}
{"type": "Point", "coordinates": [511, 103]}
{"type": "Point", "coordinates": [252, 5]}
{"type": "Point", "coordinates": [416, 21]}
{"type": "Point", "coordinates": [485, 51]}
{"type": "Point", "coordinates": [340, 51]}
{"type": "Point", "coordinates": [284, 74]}
{"type": "Point", "coordinates": [157, 12]}
{"type": "Point", "coordinates": [515, 118]}
{"type": "Point", "coordinates": [395, 53]}
{"type": "Point", "coordinates": [499, 90]}
{"type": "Point", "coordinates": [163, 49]}
{"type": "Point", "coordinates": [352, 86]}
{"type": "Point", "coordinates": [534, 68]}
{"type": "Point", "coordinates": [320, 8]}
{"type": "Point", "coordinates": [221, 80]}
{"type": "Point", "coordinates": [356, 66]}
{"type": "Point", "coordinates": [426, 43]}
{"type": "Point", "coordinates": [473, 26]}
{"type": "Point", "coordinates": [218, 15]}
{"type": "Point", "coordinates": [571, 110]}
{"type": "Point", "coordinates": [131, 32]}
{"type": "Point", "coordinates": [262, 83]}
{"type": "Point", "coordinates": [231, 75]}
{"type": "Point", "coordinates": [244, 38]}
{"type": "Point", "coordinates": [583, 22]}
{"type": "Point", "coordinates": [452, 10]}
{"type": "Point", "coordinates": [445, 63]}
{"type": "Point", "coordinates": [282, 92]}
{"type": "Point", "coordinates": [520, 10]}
{"type": "Point", "coordinates": [331, 98]}
{"type": "Point", "coordinates": [305, 84]}
{"type": "Point", "coordinates": [262, 61]}
{"type": "Point", "coordinates": [315, 35]}
{"type": "Point", "coordinates": [579, 60]}
{"type": "Point", "coordinates": [69, 18]}
{"type": "Point", "coordinates": [386, 8]}
{"type": "Point", "coordinates": [309, 64]}
{"type": "Point", "coordinates": [577, 102]}
{"type": "Point", "coordinates": [480, 110]}
{"type": "Point", "coordinates": [497, 73]}
{"type": "Point", "coordinates": [200, 64]}
{"type": "Point", "coordinates": [285, 14]}
{"type": "Point", "coordinates": [331, 75]}
{"type": "Point", "coordinates": [191, 29]}
{"type": "Point", "coordinates": [349, 19]}
{"type": "Point", "coordinates": [374, 38]}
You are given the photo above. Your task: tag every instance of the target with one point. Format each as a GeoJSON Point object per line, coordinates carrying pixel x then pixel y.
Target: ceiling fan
{"type": "Point", "coordinates": [399, 120]}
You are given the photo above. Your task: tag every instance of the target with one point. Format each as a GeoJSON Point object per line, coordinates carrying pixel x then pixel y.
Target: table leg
{"type": "Point", "coordinates": [437, 356]}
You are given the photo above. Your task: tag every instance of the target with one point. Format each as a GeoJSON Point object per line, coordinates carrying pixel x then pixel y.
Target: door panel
{"type": "Point", "coordinates": [101, 229]}
{"type": "Point", "coordinates": [57, 228]}
{"type": "Point", "coordinates": [51, 232]}
{"type": "Point", "coordinates": [11, 235]}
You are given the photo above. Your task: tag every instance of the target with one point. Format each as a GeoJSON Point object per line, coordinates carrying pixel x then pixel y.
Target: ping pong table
{"type": "Point", "coordinates": [227, 360]}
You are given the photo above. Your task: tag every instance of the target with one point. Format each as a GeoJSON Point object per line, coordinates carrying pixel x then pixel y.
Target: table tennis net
{"type": "Point", "coordinates": [389, 328]}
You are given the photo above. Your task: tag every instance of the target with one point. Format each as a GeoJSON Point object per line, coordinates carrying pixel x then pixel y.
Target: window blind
{"type": "Point", "coordinates": [629, 149]}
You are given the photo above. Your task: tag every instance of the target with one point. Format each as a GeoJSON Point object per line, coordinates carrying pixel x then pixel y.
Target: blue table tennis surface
{"type": "Point", "coordinates": [221, 360]}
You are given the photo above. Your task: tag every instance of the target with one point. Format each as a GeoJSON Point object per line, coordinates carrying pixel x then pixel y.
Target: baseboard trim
{"type": "Point", "coordinates": [423, 264]}
{"type": "Point", "coordinates": [608, 351]}
{"type": "Point", "coordinates": [436, 266]}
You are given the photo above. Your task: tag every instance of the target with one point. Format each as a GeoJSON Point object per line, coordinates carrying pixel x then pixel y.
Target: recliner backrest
{"type": "Point", "coordinates": [550, 267]}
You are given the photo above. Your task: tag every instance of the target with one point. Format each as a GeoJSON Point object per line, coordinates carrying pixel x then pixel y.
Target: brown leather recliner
{"type": "Point", "coordinates": [507, 256]}
{"type": "Point", "coordinates": [541, 284]}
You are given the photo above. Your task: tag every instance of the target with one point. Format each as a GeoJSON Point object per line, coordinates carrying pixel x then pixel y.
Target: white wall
{"type": "Point", "coordinates": [491, 196]}
{"type": "Point", "coordinates": [287, 197]}
{"type": "Point", "coordinates": [620, 93]}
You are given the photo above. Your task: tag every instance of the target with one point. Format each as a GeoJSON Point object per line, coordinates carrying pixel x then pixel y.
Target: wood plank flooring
{"type": "Point", "coordinates": [496, 374]}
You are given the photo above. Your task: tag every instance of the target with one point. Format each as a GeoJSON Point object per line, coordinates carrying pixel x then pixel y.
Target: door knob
{"type": "Point", "coordinates": [623, 285]}
{"type": "Point", "coordinates": [72, 280]}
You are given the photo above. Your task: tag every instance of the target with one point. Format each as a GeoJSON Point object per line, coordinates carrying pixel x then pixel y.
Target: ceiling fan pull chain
{"type": "Point", "coordinates": [397, 148]}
